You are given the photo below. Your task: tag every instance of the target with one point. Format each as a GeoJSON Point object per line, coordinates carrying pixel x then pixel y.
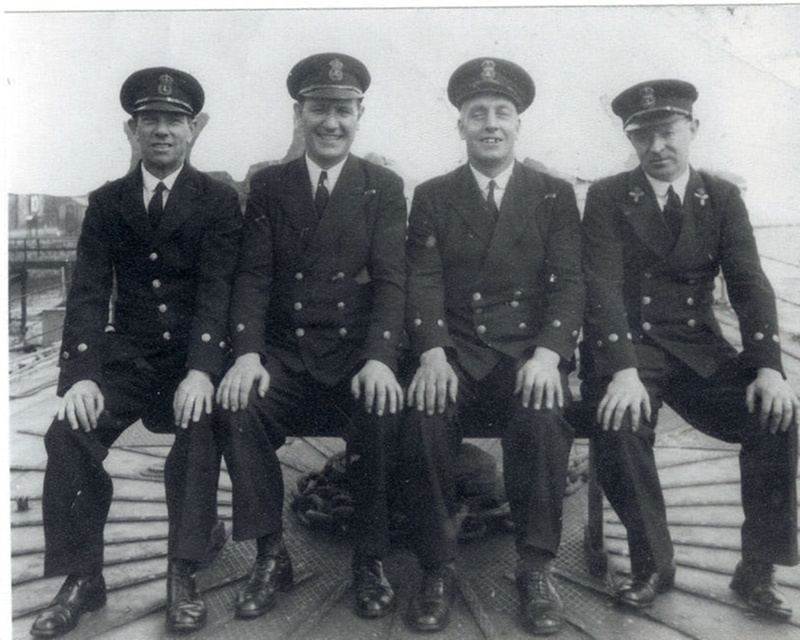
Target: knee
{"type": "Point", "coordinates": [58, 437]}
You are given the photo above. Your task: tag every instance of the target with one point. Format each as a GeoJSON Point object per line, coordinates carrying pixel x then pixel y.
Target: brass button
{"type": "Point", "coordinates": [647, 326]}
{"type": "Point", "coordinates": [480, 328]}
{"type": "Point", "coordinates": [167, 336]}
{"type": "Point", "coordinates": [343, 332]}
{"type": "Point", "coordinates": [300, 332]}
{"type": "Point", "coordinates": [613, 337]}
{"type": "Point", "coordinates": [153, 256]}
{"type": "Point", "coordinates": [690, 301]}
{"type": "Point", "coordinates": [646, 300]}
{"type": "Point", "coordinates": [206, 337]}
{"type": "Point", "coordinates": [340, 305]}
{"type": "Point", "coordinates": [476, 296]}
{"type": "Point", "coordinates": [240, 327]}
{"type": "Point", "coordinates": [556, 323]}
{"type": "Point", "coordinates": [156, 284]}
{"type": "Point", "coordinates": [387, 335]}
{"type": "Point", "coordinates": [417, 322]}
{"type": "Point", "coordinates": [298, 306]}
{"type": "Point", "coordinates": [82, 347]}
{"type": "Point", "coordinates": [758, 336]}
{"type": "Point", "coordinates": [523, 325]}
{"type": "Point", "coordinates": [162, 308]}
{"type": "Point", "coordinates": [691, 322]}
{"type": "Point", "coordinates": [515, 303]}
{"type": "Point", "coordinates": [298, 275]}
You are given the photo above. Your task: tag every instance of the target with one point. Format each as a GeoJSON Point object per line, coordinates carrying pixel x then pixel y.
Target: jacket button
{"type": "Point", "coordinates": [82, 347]}
{"type": "Point", "coordinates": [515, 303]}
{"type": "Point", "coordinates": [476, 296]}
{"type": "Point", "coordinates": [156, 284]}
{"type": "Point", "coordinates": [556, 323]}
{"type": "Point", "coordinates": [162, 308]}
{"type": "Point", "coordinates": [440, 322]}
{"type": "Point", "coordinates": [298, 275]}
{"type": "Point", "coordinates": [166, 335]}
{"type": "Point", "coordinates": [298, 306]}
{"type": "Point", "coordinates": [417, 322]}
{"type": "Point", "coordinates": [758, 336]}
{"type": "Point", "coordinates": [518, 294]}
{"type": "Point", "coordinates": [239, 327]}
{"type": "Point", "coordinates": [340, 305]}
{"type": "Point", "coordinates": [523, 325]}
{"type": "Point", "coordinates": [206, 337]}
{"type": "Point", "coordinates": [599, 343]}
{"type": "Point", "coordinates": [65, 355]}
{"type": "Point", "coordinates": [343, 332]}
{"type": "Point", "coordinates": [300, 332]}
{"type": "Point", "coordinates": [575, 333]}
{"type": "Point", "coordinates": [222, 344]}
{"type": "Point", "coordinates": [153, 256]}
{"type": "Point", "coordinates": [387, 335]}
{"type": "Point", "coordinates": [648, 275]}
{"type": "Point", "coordinates": [613, 337]}
{"type": "Point", "coordinates": [690, 301]}
{"type": "Point", "coordinates": [480, 328]}
{"type": "Point", "coordinates": [647, 326]}
{"type": "Point", "coordinates": [646, 300]}
{"type": "Point", "coordinates": [691, 322]}
{"type": "Point", "coordinates": [775, 337]}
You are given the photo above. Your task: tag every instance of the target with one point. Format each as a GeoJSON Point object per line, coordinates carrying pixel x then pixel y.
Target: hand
{"type": "Point", "coordinates": [625, 392]}
{"type": "Point", "coordinates": [779, 405]}
{"type": "Point", "coordinates": [434, 383]}
{"type": "Point", "coordinates": [194, 393]}
{"type": "Point", "coordinates": [82, 405]}
{"type": "Point", "coordinates": [234, 390]}
{"type": "Point", "coordinates": [379, 386]}
{"type": "Point", "coordinates": [541, 377]}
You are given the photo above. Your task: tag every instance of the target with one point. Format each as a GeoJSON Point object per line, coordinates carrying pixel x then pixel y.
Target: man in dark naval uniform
{"type": "Point", "coordinates": [165, 239]}
{"type": "Point", "coordinates": [654, 240]}
{"type": "Point", "coordinates": [495, 301]}
{"type": "Point", "coordinates": [316, 322]}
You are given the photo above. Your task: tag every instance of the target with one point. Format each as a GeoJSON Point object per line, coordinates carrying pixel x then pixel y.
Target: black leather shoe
{"type": "Point", "coordinates": [374, 594]}
{"type": "Point", "coordinates": [186, 610]}
{"type": "Point", "coordinates": [641, 592]}
{"type": "Point", "coordinates": [540, 605]}
{"type": "Point", "coordinates": [76, 596]}
{"type": "Point", "coordinates": [754, 582]}
{"type": "Point", "coordinates": [270, 573]}
{"type": "Point", "coordinates": [429, 609]}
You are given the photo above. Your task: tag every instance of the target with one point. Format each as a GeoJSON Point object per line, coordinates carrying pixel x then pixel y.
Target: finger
{"type": "Point", "coordinates": [601, 410]}
{"type": "Point", "coordinates": [355, 387]}
{"type": "Point", "coordinates": [263, 385]}
{"type": "Point", "coordinates": [619, 415]}
{"type": "Point", "coordinates": [369, 397]}
{"type": "Point", "coordinates": [559, 393]}
{"type": "Point", "coordinates": [430, 397]}
{"type": "Point", "coordinates": [452, 388]}
{"type": "Point", "coordinates": [750, 398]}
{"type": "Point", "coordinates": [199, 406]}
{"type": "Point", "coordinates": [80, 414]}
{"type": "Point", "coordinates": [441, 395]}
{"type": "Point", "coordinates": [766, 410]}
{"type": "Point", "coordinates": [380, 399]}
{"type": "Point", "coordinates": [518, 382]}
{"type": "Point", "coordinates": [71, 417]}
{"type": "Point", "coordinates": [636, 415]}
{"type": "Point", "coordinates": [648, 409]}
{"type": "Point", "coordinates": [548, 395]}
{"type": "Point", "coordinates": [243, 395]}
{"type": "Point", "coordinates": [100, 405]}
{"type": "Point", "coordinates": [394, 399]}
{"type": "Point", "coordinates": [208, 403]}
{"type": "Point", "coordinates": [62, 409]}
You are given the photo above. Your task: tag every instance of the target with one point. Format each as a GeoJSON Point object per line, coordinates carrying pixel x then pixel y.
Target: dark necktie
{"type": "Point", "coordinates": [490, 201]}
{"type": "Point", "coordinates": [673, 213]}
{"type": "Point", "coordinates": [156, 206]}
{"type": "Point", "coordinates": [321, 197]}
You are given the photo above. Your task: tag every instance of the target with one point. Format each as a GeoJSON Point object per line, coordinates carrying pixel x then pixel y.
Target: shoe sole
{"type": "Point", "coordinates": [251, 615]}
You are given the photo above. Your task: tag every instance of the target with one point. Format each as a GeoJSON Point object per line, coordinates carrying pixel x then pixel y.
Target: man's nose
{"type": "Point", "coordinates": [657, 143]}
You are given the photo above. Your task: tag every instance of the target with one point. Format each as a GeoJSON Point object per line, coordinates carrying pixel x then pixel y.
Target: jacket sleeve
{"type": "Point", "coordinates": [387, 269]}
{"type": "Point", "coordinates": [425, 314]}
{"type": "Point", "coordinates": [565, 287]}
{"type": "Point", "coordinates": [250, 297]}
{"type": "Point", "coordinates": [87, 302]}
{"type": "Point", "coordinates": [603, 266]}
{"type": "Point", "coordinates": [751, 294]}
{"type": "Point", "coordinates": [219, 250]}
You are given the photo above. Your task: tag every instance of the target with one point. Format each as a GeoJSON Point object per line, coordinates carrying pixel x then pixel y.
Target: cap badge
{"type": "Point", "coordinates": [488, 70]}
{"type": "Point", "coordinates": [648, 98]}
{"type": "Point", "coordinates": [165, 83]}
{"type": "Point", "coordinates": [335, 71]}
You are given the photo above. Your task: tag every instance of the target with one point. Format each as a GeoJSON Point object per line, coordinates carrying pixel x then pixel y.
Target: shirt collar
{"type": "Point", "coordinates": [501, 180]}
{"type": "Point", "coordinates": [333, 173]}
{"type": "Point", "coordinates": [150, 181]}
{"type": "Point", "coordinates": [679, 185]}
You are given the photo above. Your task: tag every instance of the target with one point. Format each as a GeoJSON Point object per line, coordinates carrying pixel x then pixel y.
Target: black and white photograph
{"type": "Point", "coordinates": [460, 322]}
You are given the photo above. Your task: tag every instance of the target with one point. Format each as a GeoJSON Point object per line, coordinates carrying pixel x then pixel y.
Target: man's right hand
{"type": "Point", "coordinates": [234, 390]}
{"type": "Point", "coordinates": [434, 383]}
{"type": "Point", "coordinates": [625, 393]}
{"type": "Point", "coordinates": [82, 405]}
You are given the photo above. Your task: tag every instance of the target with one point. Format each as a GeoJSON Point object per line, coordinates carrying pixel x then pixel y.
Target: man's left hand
{"type": "Point", "coordinates": [379, 386]}
{"type": "Point", "coordinates": [194, 394]}
{"type": "Point", "coordinates": [539, 377]}
{"type": "Point", "coordinates": [779, 406]}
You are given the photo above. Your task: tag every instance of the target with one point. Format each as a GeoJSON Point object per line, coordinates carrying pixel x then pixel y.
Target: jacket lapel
{"type": "Point", "coordinates": [180, 204]}
{"type": "Point", "coordinates": [131, 204]}
{"type": "Point", "coordinates": [468, 203]}
{"type": "Point", "coordinates": [642, 212]}
{"type": "Point", "coordinates": [344, 205]}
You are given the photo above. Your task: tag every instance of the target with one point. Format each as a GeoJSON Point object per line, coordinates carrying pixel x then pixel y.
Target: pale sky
{"type": "Point", "coordinates": [63, 120]}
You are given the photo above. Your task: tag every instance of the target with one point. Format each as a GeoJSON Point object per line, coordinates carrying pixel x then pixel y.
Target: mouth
{"type": "Point", "coordinates": [330, 137]}
{"type": "Point", "coordinates": [491, 140]}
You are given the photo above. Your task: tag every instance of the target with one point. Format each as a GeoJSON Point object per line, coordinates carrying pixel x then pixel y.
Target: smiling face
{"type": "Point", "coordinates": [329, 127]}
{"type": "Point", "coordinates": [663, 148]}
{"type": "Point", "coordinates": [164, 138]}
{"type": "Point", "coordinates": [489, 124]}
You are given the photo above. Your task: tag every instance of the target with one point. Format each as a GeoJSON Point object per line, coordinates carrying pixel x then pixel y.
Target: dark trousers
{"type": "Point", "coordinates": [536, 446]}
{"type": "Point", "coordinates": [716, 406]}
{"type": "Point", "coordinates": [297, 404]}
{"type": "Point", "coordinates": [78, 490]}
